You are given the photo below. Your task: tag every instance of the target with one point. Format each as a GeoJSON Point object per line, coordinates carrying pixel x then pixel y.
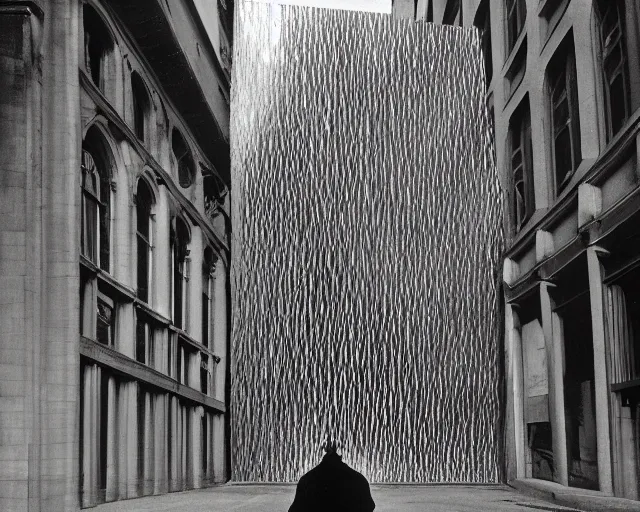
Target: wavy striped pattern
{"type": "Point", "coordinates": [367, 238]}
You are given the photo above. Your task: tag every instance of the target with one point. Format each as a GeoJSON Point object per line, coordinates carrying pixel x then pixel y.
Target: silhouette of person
{"type": "Point", "coordinates": [332, 486]}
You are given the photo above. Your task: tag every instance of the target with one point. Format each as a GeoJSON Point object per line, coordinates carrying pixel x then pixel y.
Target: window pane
{"type": "Point", "coordinates": [561, 115]}
{"type": "Point", "coordinates": [563, 160]}
{"type": "Point", "coordinates": [138, 114]}
{"type": "Point", "coordinates": [105, 324]}
{"type": "Point", "coordinates": [90, 221]}
{"type": "Point", "coordinates": [141, 342]}
{"type": "Point", "coordinates": [516, 159]}
{"type": "Point", "coordinates": [143, 269]}
{"type": "Point", "coordinates": [104, 238]}
{"type": "Point", "coordinates": [177, 294]}
{"type": "Point", "coordinates": [151, 346]}
{"type": "Point", "coordinates": [617, 104]}
{"type": "Point", "coordinates": [204, 375]}
{"type": "Point", "coordinates": [205, 320]}
{"type": "Point", "coordinates": [613, 62]}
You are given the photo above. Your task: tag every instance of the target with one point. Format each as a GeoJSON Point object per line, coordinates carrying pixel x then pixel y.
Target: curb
{"type": "Point", "coordinates": [589, 501]}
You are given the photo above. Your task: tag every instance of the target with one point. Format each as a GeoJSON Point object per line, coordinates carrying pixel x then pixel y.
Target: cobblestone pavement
{"type": "Point", "coordinates": [392, 498]}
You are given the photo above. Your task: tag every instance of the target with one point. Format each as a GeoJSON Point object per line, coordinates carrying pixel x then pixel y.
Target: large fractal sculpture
{"type": "Point", "coordinates": [367, 238]}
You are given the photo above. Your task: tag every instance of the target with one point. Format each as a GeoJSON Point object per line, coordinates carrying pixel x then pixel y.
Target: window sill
{"type": "Point", "coordinates": [130, 367]}
{"type": "Point", "coordinates": [123, 291]}
{"type": "Point", "coordinates": [150, 312]}
{"type": "Point", "coordinates": [197, 346]}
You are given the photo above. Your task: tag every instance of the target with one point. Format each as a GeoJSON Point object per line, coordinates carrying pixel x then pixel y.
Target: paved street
{"type": "Point", "coordinates": [277, 498]}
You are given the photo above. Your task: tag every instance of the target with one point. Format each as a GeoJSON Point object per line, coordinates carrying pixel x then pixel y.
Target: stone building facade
{"type": "Point", "coordinates": [114, 249]}
{"type": "Point", "coordinates": [563, 83]}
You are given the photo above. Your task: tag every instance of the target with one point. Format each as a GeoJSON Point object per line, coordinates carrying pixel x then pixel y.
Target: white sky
{"type": "Point", "coordinates": [383, 6]}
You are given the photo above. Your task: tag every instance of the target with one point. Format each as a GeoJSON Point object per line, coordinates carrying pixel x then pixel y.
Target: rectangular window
{"type": "Point", "coordinates": [144, 342]}
{"type": "Point", "coordinates": [516, 16]}
{"type": "Point", "coordinates": [183, 364]}
{"type": "Point", "coordinates": [611, 15]}
{"type": "Point", "coordinates": [204, 374]}
{"type": "Point", "coordinates": [567, 152]}
{"type": "Point", "coordinates": [206, 307]}
{"type": "Point", "coordinates": [180, 293]}
{"type": "Point", "coordinates": [522, 164]}
{"type": "Point", "coordinates": [185, 367]}
{"type": "Point", "coordinates": [105, 321]}
{"type": "Point", "coordinates": [179, 377]}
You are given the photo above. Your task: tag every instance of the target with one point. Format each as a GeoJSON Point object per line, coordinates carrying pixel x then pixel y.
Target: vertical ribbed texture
{"type": "Point", "coordinates": [367, 238]}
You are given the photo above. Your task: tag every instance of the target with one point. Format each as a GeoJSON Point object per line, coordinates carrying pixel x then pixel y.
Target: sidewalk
{"type": "Point", "coordinates": [390, 498]}
{"type": "Point", "coordinates": [590, 501]}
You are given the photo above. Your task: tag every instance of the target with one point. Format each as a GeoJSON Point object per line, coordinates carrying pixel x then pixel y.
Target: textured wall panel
{"type": "Point", "coordinates": [367, 234]}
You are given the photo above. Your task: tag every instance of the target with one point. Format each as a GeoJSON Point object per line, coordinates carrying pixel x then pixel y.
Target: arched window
{"type": "Point", "coordinates": [98, 44]}
{"type": "Point", "coordinates": [184, 160]}
{"type": "Point", "coordinates": [180, 241]}
{"type": "Point", "coordinates": [96, 200]}
{"type": "Point", "coordinates": [141, 105]}
{"type": "Point", "coordinates": [144, 204]}
{"type": "Point", "coordinates": [208, 269]}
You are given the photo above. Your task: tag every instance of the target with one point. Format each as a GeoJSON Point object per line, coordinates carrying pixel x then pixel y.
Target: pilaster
{"type": "Point", "coordinates": [552, 328]}
{"type": "Point", "coordinates": [220, 331]}
{"type": "Point", "coordinates": [600, 371]}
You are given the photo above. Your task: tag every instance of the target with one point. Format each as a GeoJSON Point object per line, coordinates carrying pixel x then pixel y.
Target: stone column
{"type": "Point", "coordinates": [161, 277]}
{"type": "Point", "coordinates": [89, 437]}
{"type": "Point", "coordinates": [123, 228]}
{"type": "Point", "coordinates": [160, 444]}
{"type": "Point", "coordinates": [196, 255]}
{"type": "Point", "coordinates": [600, 361]}
{"type": "Point", "coordinates": [196, 445]}
{"type": "Point", "coordinates": [132, 439]}
{"type": "Point", "coordinates": [149, 443]}
{"type": "Point", "coordinates": [173, 443]}
{"type": "Point", "coordinates": [514, 348]}
{"type": "Point", "coordinates": [123, 437]}
{"type": "Point", "coordinates": [112, 441]}
{"type": "Point", "coordinates": [220, 331]}
{"type": "Point", "coordinates": [588, 78]}
{"type": "Point", "coordinates": [552, 328]}
{"type": "Point", "coordinates": [219, 444]}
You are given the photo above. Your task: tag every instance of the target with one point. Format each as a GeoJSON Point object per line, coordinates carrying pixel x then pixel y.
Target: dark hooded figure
{"type": "Point", "coordinates": [332, 486]}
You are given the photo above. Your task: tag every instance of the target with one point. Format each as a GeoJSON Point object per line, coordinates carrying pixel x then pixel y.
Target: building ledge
{"type": "Point", "coordinates": [583, 499]}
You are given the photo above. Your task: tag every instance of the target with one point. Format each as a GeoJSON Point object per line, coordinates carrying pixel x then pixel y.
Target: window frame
{"type": "Point", "coordinates": [95, 28]}
{"type": "Point", "coordinates": [520, 142]}
{"type": "Point", "coordinates": [145, 293]}
{"type": "Point", "coordinates": [141, 104]}
{"type": "Point", "coordinates": [180, 263]}
{"type": "Point", "coordinates": [145, 327]}
{"type": "Point", "coordinates": [100, 196]}
{"type": "Point", "coordinates": [111, 324]}
{"type": "Point", "coordinates": [606, 51]}
{"type": "Point", "coordinates": [562, 86]}
{"type": "Point", "coordinates": [208, 270]}
{"type": "Point", "coordinates": [515, 18]}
